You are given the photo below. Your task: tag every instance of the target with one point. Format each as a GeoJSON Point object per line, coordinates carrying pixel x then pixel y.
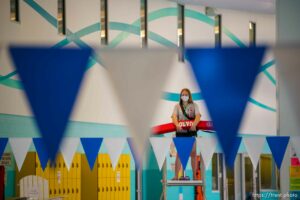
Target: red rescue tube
{"type": "Point", "coordinates": [170, 127]}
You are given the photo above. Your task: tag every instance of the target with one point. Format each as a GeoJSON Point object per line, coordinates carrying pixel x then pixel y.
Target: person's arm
{"type": "Point", "coordinates": [195, 123]}
{"type": "Point", "coordinates": [175, 122]}
{"type": "Point", "coordinates": [197, 118]}
{"type": "Point", "coordinates": [175, 119]}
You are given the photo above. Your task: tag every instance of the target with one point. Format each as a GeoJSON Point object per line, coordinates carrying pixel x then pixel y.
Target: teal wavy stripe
{"type": "Point", "coordinates": [94, 28]}
{"type": "Point", "coordinates": [127, 29]}
{"type": "Point", "coordinates": [161, 40]}
{"type": "Point", "coordinates": [165, 12]}
{"type": "Point", "coordinates": [264, 69]}
{"type": "Point", "coordinates": [62, 43]}
{"type": "Point", "coordinates": [261, 105]}
{"type": "Point", "coordinates": [169, 96]}
{"type": "Point", "coordinates": [70, 37]}
{"type": "Point", "coordinates": [270, 77]}
{"type": "Point", "coordinates": [5, 80]}
{"type": "Point", "coordinates": [52, 20]}
{"type": "Point", "coordinates": [233, 37]}
{"type": "Point", "coordinates": [118, 26]}
{"type": "Point", "coordinates": [199, 16]}
{"type": "Point", "coordinates": [12, 83]}
{"type": "Point", "coordinates": [8, 75]}
{"type": "Point", "coordinates": [16, 84]}
{"type": "Point", "coordinates": [267, 65]}
{"type": "Point", "coordinates": [136, 30]}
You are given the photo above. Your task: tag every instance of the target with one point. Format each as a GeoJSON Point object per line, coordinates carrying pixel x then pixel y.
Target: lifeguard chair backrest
{"type": "Point", "coordinates": [34, 187]}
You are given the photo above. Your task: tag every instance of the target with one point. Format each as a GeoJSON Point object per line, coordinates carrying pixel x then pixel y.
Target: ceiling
{"type": "Point", "coordinates": [260, 6]}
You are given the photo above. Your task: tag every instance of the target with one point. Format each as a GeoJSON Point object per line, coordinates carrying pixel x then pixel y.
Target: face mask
{"type": "Point", "coordinates": [184, 98]}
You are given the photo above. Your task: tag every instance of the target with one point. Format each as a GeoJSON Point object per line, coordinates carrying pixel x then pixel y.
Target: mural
{"type": "Point", "coordinates": [260, 117]}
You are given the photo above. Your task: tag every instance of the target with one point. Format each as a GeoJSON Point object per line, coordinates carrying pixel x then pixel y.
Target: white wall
{"type": "Point", "coordinates": [97, 102]}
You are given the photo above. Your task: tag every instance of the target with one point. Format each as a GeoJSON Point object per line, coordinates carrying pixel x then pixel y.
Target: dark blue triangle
{"type": "Point", "coordinates": [226, 77]}
{"type": "Point", "coordinates": [134, 154]}
{"type": "Point", "coordinates": [278, 147]}
{"type": "Point", "coordinates": [3, 143]}
{"type": "Point", "coordinates": [91, 148]}
{"type": "Point", "coordinates": [51, 79]}
{"type": "Point", "coordinates": [235, 147]}
{"type": "Point", "coordinates": [40, 148]}
{"type": "Point", "coordinates": [184, 146]}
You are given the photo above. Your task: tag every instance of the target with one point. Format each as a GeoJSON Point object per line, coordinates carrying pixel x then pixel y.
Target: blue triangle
{"type": "Point", "coordinates": [51, 79]}
{"type": "Point", "coordinates": [278, 147]}
{"type": "Point", "coordinates": [235, 148]}
{"type": "Point", "coordinates": [3, 142]}
{"type": "Point", "coordinates": [226, 77]}
{"type": "Point", "coordinates": [184, 146]}
{"type": "Point", "coordinates": [134, 155]}
{"type": "Point", "coordinates": [91, 148]}
{"type": "Point", "coordinates": [41, 151]}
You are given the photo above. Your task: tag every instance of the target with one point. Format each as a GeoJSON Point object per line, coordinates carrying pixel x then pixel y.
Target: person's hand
{"type": "Point", "coordinates": [178, 128]}
{"type": "Point", "coordinates": [193, 127]}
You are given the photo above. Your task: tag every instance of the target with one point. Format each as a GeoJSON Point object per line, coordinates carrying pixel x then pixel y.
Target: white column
{"type": "Point", "coordinates": [288, 32]}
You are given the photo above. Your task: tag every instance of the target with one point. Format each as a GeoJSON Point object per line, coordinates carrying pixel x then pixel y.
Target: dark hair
{"type": "Point", "coordinates": [190, 96]}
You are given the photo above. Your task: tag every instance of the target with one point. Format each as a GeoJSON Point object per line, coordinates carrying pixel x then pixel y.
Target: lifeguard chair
{"type": "Point", "coordinates": [198, 184]}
